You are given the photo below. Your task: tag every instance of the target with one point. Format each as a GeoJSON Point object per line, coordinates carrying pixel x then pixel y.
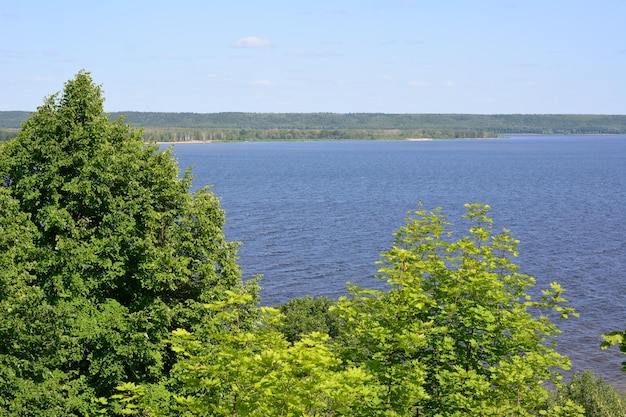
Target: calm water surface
{"type": "Point", "coordinates": [315, 215]}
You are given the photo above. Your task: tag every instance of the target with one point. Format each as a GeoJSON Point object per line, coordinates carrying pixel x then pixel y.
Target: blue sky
{"type": "Point", "coordinates": [517, 56]}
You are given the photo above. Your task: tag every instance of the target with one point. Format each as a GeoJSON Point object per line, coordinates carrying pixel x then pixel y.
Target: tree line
{"type": "Point", "coordinates": [119, 295]}
{"type": "Point", "coordinates": [156, 134]}
{"type": "Point", "coordinates": [314, 126]}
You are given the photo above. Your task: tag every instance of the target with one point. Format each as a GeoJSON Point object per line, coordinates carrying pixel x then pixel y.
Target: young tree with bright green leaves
{"type": "Point", "coordinates": [105, 251]}
{"type": "Point", "coordinates": [457, 334]}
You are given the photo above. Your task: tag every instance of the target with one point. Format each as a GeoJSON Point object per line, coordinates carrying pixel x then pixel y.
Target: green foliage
{"type": "Point", "coordinates": [452, 336]}
{"type": "Point", "coordinates": [455, 335]}
{"type": "Point", "coordinates": [105, 250]}
{"type": "Point", "coordinates": [241, 371]}
{"type": "Point", "coordinates": [177, 134]}
{"type": "Point", "coordinates": [306, 315]}
{"type": "Point", "coordinates": [593, 395]}
{"type": "Point", "coordinates": [616, 338]}
{"type": "Point", "coordinates": [569, 409]}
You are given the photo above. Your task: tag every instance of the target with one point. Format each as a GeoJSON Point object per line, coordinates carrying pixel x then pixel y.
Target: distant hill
{"type": "Point", "coordinates": [12, 119]}
{"type": "Point", "coordinates": [284, 126]}
{"type": "Point", "coordinates": [494, 123]}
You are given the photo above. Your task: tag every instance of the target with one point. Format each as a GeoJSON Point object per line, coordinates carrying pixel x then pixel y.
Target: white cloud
{"type": "Point", "coordinates": [253, 42]}
{"type": "Point", "coordinates": [262, 83]}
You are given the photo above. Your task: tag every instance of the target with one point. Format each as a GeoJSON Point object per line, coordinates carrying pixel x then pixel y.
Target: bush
{"type": "Point", "coordinates": [306, 315]}
{"type": "Point", "coordinates": [598, 398]}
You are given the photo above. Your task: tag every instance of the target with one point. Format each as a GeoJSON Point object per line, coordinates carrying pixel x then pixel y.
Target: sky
{"type": "Point", "coordinates": [444, 56]}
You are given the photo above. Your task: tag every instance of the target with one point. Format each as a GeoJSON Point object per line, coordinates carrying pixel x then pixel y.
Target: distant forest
{"type": "Point", "coordinates": [165, 127]}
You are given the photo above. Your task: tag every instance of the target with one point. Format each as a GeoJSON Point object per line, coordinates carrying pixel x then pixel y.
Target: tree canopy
{"type": "Point", "coordinates": [105, 251]}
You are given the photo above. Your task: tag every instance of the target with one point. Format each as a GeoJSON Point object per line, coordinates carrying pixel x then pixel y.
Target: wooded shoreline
{"type": "Point", "coordinates": [225, 127]}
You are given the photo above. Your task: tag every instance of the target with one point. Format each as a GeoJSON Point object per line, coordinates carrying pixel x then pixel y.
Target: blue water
{"type": "Point", "coordinates": [315, 215]}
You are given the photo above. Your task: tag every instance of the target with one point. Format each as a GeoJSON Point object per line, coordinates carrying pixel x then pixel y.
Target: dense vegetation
{"type": "Point", "coordinates": [120, 295]}
{"type": "Point", "coordinates": [314, 126]}
{"type": "Point", "coordinates": [104, 252]}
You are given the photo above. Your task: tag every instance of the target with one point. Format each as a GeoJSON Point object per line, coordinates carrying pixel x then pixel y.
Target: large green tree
{"type": "Point", "coordinates": [104, 250]}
